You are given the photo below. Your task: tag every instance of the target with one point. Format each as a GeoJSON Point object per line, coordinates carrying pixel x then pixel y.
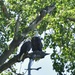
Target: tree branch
{"type": "Point", "coordinates": [12, 46]}
{"type": "Point", "coordinates": [19, 39]}
{"type": "Point", "coordinates": [39, 18]}
{"type": "Point", "coordinates": [34, 68]}
{"type": "Point", "coordinates": [33, 55]}
{"type": "Point", "coordinates": [8, 64]}
{"type": "Point", "coordinates": [17, 27]}
{"type": "Point", "coordinates": [4, 9]}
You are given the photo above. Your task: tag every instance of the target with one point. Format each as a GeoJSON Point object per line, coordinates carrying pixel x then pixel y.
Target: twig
{"type": "Point", "coordinates": [34, 68]}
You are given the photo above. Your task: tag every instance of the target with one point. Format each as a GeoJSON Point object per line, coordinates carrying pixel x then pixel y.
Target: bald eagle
{"type": "Point", "coordinates": [36, 42]}
{"type": "Point", "coordinates": [24, 49]}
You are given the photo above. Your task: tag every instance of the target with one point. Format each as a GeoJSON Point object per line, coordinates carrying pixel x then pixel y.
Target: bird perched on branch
{"type": "Point", "coordinates": [36, 42]}
{"type": "Point", "coordinates": [26, 46]}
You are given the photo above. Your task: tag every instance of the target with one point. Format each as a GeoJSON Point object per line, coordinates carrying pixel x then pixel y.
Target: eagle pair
{"type": "Point", "coordinates": [35, 44]}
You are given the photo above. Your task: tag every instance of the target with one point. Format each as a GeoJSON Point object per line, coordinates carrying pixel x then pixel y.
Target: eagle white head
{"type": "Point", "coordinates": [36, 34]}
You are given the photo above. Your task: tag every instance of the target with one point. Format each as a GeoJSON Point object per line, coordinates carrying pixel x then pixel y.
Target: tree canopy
{"type": "Point", "coordinates": [53, 18]}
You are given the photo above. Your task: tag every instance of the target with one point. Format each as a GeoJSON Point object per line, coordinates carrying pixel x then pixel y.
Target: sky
{"type": "Point", "coordinates": [45, 63]}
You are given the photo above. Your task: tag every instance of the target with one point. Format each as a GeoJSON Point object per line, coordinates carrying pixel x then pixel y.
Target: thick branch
{"type": "Point", "coordinates": [8, 64]}
{"type": "Point", "coordinates": [32, 55]}
{"type": "Point", "coordinates": [12, 47]}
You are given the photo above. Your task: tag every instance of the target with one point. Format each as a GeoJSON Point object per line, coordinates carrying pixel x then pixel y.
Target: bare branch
{"type": "Point", "coordinates": [8, 64]}
{"type": "Point", "coordinates": [39, 18]}
{"type": "Point", "coordinates": [37, 54]}
{"type": "Point", "coordinates": [12, 47]}
{"type": "Point", "coordinates": [34, 68]}
{"type": "Point", "coordinates": [32, 56]}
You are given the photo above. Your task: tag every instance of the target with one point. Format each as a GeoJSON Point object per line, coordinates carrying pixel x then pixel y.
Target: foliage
{"type": "Point", "coordinates": [61, 35]}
